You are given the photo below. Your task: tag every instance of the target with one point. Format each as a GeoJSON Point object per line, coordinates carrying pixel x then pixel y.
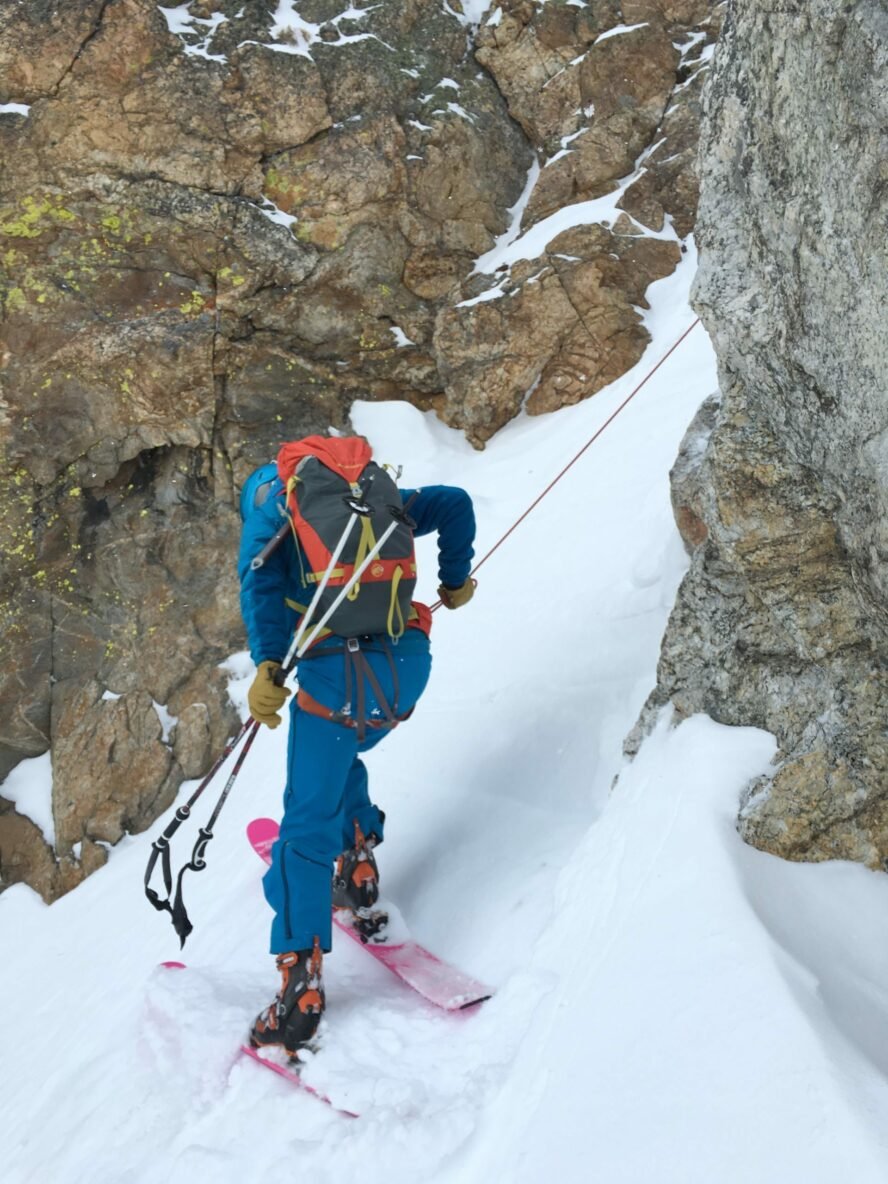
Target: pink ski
{"type": "Point", "coordinates": [283, 1070]}
{"type": "Point", "coordinates": [428, 975]}
{"type": "Point", "coordinates": [293, 1076]}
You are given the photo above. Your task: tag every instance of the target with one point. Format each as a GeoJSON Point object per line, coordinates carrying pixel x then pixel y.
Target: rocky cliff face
{"type": "Point", "coordinates": [220, 224]}
{"type": "Point", "coordinates": [781, 491]}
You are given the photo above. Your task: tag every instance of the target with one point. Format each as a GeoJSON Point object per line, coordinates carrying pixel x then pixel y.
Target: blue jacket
{"type": "Point", "coordinates": [271, 623]}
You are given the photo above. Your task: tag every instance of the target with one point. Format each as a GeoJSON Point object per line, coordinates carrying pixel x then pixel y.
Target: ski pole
{"type": "Point", "coordinates": [359, 510]}
{"type": "Point", "coordinates": [197, 863]}
{"type": "Point", "coordinates": [272, 545]}
{"type": "Point", "coordinates": [161, 845]}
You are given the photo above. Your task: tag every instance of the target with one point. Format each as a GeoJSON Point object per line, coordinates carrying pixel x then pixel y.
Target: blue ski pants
{"type": "Point", "coordinates": [327, 790]}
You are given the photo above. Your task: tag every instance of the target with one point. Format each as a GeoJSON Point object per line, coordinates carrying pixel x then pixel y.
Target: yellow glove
{"type": "Point", "coordinates": [457, 597]}
{"type": "Point", "coordinates": [265, 697]}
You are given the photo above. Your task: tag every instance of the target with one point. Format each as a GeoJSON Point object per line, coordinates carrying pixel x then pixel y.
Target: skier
{"type": "Point", "coordinates": [352, 692]}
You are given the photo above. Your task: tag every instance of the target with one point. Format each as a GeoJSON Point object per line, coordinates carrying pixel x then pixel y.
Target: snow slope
{"type": "Point", "coordinates": [671, 1006]}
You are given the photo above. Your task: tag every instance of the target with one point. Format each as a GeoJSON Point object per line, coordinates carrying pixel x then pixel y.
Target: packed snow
{"type": "Point", "coordinates": [670, 1007]}
{"type": "Point", "coordinates": [401, 338]}
{"type": "Point", "coordinates": [29, 788]}
{"type": "Point", "coordinates": [275, 214]}
{"type": "Point", "coordinates": [619, 31]}
{"type": "Point", "coordinates": [167, 721]}
{"type": "Point", "coordinates": [533, 242]}
{"type": "Point", "coordinates": [467, 12]}
{"type": "Point", "coordinates": [195, 33]}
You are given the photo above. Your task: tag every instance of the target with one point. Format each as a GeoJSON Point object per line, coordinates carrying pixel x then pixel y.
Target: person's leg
{"type": "Point", "coordinates": [357, 807]}
{"type": "Point", "coordinates": [298, 884]}
{"type": "Point", "coordinates": [402, 680]}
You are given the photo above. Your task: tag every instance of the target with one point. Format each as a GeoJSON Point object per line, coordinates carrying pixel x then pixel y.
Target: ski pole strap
{"type": "Point", "coordinates": [197, 863]}
{"type": "Point", "coordinates": [160, 848]}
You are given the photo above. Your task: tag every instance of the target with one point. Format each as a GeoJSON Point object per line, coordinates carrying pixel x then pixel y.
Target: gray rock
{"type": "Point", "coordinates": [782, 620]}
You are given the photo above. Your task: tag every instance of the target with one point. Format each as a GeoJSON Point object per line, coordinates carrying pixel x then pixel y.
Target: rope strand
{"type": "Point", "coordinates": [586, 446]}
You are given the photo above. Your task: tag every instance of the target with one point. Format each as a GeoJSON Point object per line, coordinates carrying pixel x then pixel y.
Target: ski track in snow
{"type": "Point", "coordinates": [671, 1007]}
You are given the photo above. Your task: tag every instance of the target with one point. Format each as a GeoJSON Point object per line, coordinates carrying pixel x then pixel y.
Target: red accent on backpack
{"type": "Point", "coordinates": [348, 456]}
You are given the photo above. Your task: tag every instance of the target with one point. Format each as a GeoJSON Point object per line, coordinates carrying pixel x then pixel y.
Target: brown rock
{"type": "Point", "coordinates": [561, 332]}
{"type": "Point", "coordinates": [671, 12]}
{"type": "Point", "coordinates": [25, 663]}
{"type": "Point", "coordinates": [609, 338]}
{"type": "Point", "coordinates": [24, 853]}
{"type": "Point", "coordinates": [429, 274]}
{"type": "Point", "coordinates": [111, 771]}
{"type": "Point", "coordinates": [40, 42]}
{"type": "Point", "coordinates": [340, 180]}
{"type": "Point", "coordinates": [810, 809]}
{"type": "Point", "coordinates": [533, 64]}
{"type": "Point", "coordinates": [191, 740]}
{"type": "Point", "coordinates": [669, 182]}
{"type": "Point", "coordinates": [276, 103]}
{"type": "Point", "coordinates": [688, 476]}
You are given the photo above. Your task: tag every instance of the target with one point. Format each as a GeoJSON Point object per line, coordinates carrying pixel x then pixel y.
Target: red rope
{"type": "Point", "coordinates": [587, 445]}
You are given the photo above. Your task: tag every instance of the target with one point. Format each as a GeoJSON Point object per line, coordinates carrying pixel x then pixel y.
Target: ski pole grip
{"type": "Point", "coordinates": [358, 507]}
{"type": "Point", "coordinates": [179, 817]}
{"type": "Point", "coordinates": [198, 861]}
{"type": "Point", "coordinates": [272, 545]}
{"type": "Point", "coordinates": [401, 513]}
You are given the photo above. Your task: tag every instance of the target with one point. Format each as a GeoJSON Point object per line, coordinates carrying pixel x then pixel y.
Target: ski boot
{"type": "Point", "coordinates": [293, 1019]}
{"type": "Point", "coordinates": [356, 888]}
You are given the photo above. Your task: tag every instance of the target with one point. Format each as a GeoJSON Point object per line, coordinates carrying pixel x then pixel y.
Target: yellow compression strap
{"type": "Point", "coordinates": [302, 609]}
{"type": "Point", "coordinates": [315, 577]}
{"type": "Point", "coordinates": [395, 607]}
{"type": "Point", "coordinates": [366, 543]}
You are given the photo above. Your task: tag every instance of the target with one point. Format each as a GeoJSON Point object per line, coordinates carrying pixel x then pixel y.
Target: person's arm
{"type": "Point", "coordinates": [268, 619]}
{"type": "Point", "coordinates": [449, 511]}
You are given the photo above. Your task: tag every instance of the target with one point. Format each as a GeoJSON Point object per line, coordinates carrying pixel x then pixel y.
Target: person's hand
{"type": "Point", "coordinates": [457, 597]}
{"type": "Point", "coordinates": [265, 697]}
